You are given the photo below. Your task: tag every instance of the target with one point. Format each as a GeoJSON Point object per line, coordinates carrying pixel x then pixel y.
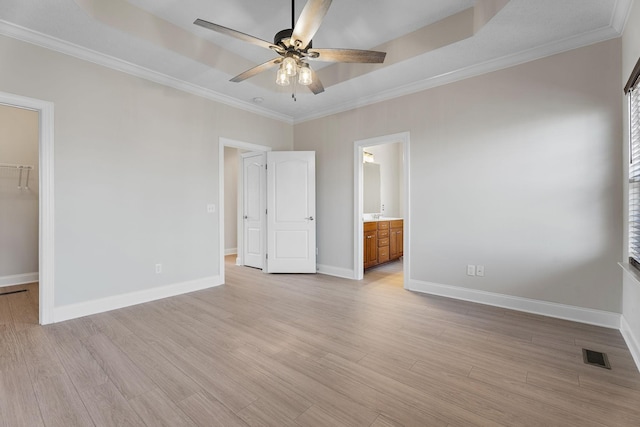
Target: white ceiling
{"type": "Point", "coordinates": [153, 39]}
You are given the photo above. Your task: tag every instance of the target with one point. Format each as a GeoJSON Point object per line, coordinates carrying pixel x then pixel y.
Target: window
{"type": "Point", "coordinates": [632, 89]}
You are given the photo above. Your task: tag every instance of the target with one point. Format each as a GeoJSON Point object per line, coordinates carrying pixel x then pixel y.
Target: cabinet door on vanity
{"type": "Point", "coordinates": [393, 245]}
{"type": "Point", "coordinates": [396, 239]}
{"type": "Point", "coordinates": [370, 244]}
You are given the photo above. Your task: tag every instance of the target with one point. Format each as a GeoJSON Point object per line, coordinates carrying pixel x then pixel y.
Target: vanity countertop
{"type": "Point", "coordinates": [384, 218]}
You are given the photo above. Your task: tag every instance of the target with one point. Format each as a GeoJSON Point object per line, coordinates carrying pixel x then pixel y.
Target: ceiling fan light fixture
{"type": "Point", "coordinates": [304, 75]}
{"type": "Point", "coordinates": [281, 76]}
{"type": "Point", "coordinates": [293, 47]}
{"type": "Point", "coordinates": [290, 65]}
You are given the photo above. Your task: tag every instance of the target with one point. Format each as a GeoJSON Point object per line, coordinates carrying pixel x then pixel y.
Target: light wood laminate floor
{"type": "Point", "coordinates": [309, 350]}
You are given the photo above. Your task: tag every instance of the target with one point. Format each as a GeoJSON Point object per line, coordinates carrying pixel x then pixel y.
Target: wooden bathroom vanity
{"type": "Point", "coordinates": [383, 241]}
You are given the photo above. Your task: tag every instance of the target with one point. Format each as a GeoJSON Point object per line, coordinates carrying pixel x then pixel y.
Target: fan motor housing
{"type": "Point", "coordinates": [284, 35]}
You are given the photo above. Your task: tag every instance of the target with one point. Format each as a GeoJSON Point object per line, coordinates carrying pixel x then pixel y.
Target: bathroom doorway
{"type": "Point", "coordinates": [382, 215]}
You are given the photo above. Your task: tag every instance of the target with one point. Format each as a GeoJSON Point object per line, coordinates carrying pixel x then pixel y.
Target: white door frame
{"type": "Point", "coordinates": [46, 245]}
{"type": "Point", "coordinates": [404, 139]}
{"type": "Point", "coordinates": [226, 142]}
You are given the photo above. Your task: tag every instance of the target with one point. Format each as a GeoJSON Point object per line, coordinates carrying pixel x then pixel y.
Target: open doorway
{"type": "Point", "coordinates": [231, 207]}
{"type": "Point", "coordinates": [287, 241]}
{"type": "Point", "coordinates": [32, 180]}
{"type": "Point", "coordinates": [382, 223]}
{"type": "Point", "coordinates": [231, 198]}
{"type": "Point", "coordinates": [244, 206]}
{"type": "Point", "coordinates": [19, 214]}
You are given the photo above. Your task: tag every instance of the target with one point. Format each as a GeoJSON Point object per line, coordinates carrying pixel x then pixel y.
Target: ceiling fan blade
{"type": "Point", "coordinates": [233, 33]}
{"type": "Point", "coordinates": [316, 85]}
{"type": "Point", "coordinates": [309, 22]}
{"type": "Point", "coordinates": [256, 70]}
{"type": "Point", "coordinates": [348, 55]}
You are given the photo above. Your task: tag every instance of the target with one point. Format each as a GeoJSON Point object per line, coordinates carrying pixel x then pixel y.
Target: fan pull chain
{"type": "Point", "coordinates": [294, 86]}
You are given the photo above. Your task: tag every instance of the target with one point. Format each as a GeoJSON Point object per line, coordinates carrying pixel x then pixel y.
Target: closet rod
{"type": "Point", "coordinates": [9, 166]}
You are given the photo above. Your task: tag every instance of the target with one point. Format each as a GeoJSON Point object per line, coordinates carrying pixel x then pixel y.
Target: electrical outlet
{"type": "Point", "coordinates": [480, 270]}
{"type": "Point", "coordinates": [211, 208]}
{"type": "Point", "coordinates": [471, 270]}
{"type": "Point", "coordinates": [158, 268]}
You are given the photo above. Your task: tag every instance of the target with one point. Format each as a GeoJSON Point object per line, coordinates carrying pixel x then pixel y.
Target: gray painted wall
{"type": "Point", "coordinates": [518, 170]}
{"type": "Point", "coordinates": [136, 163]}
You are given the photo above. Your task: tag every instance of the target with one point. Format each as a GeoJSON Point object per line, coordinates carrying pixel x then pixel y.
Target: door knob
{"type": "Point", "coordinates": [246, 217]}
{"type": "Point", "coordinates": [310, 218]}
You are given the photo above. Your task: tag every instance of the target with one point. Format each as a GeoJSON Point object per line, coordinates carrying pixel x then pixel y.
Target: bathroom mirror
{"type": "Point", "coordinates": [371, 187]}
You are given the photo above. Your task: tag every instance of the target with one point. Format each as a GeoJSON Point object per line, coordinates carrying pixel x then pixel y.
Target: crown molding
{"type": "Point", "coordinates": [39, 39]}
{"type": "Point", "coordinates": [507, 61]}
{"type": "Point", "coordinates": [621, 14]}
{"type": "Point", "coordinates": [616, 27]}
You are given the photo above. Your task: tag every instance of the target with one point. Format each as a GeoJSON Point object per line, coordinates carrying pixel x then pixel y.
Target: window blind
{"type": "Point", "coordinates": [634, 177]}
{"type": "Point", "coordinates": [633, 93]}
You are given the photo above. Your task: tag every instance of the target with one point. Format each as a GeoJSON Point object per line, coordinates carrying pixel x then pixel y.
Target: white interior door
{"type": "Point", "coordinates": [291, 211]}
{"type": "Point", "coordinates": [253, 208]}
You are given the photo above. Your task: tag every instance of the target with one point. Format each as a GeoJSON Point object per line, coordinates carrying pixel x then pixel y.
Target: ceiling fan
{"type": "Point", "coordinates": [295, 48]}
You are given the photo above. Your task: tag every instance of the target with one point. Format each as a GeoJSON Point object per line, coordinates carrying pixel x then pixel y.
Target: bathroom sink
{"type": "Point", "coordinates": [382, 218]}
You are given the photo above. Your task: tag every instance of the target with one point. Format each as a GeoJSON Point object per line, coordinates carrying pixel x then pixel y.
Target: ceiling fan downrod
{"type": "Point", "coordinates": [293, 13]}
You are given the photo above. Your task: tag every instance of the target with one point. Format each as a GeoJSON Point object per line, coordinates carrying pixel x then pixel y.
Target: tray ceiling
{"type": "Point", "coordinates": [428, 42]}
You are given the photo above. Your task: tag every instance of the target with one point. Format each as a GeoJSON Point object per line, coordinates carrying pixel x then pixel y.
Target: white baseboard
{"type": "Point", "coordinates": [87, 308]}
{"type": "Point", "coordinates": [630, 339]}
{"type": "Point", "coordinates": [231, 251]}
{"type": "Point", "coordinates": [561, 311]}
{"type": "Point", "coordinates": [18, 279]}
{"type": "Point", "coordinates": [345, 273]}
